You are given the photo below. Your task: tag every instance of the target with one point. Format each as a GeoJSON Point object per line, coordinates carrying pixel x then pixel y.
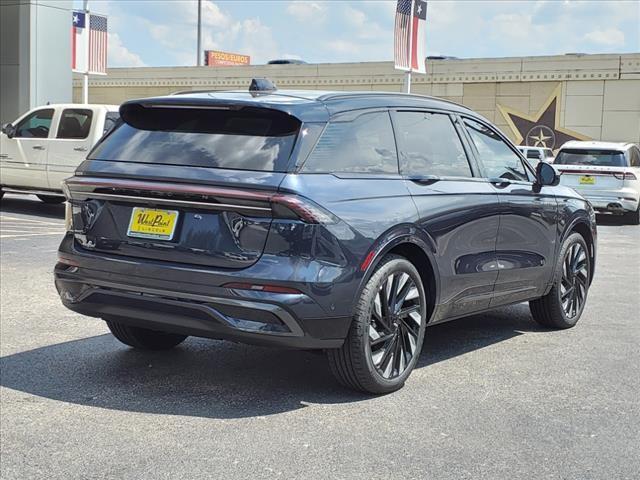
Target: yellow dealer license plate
{"type": "Point", "coordinates": [151, 223]}
{"type": "Point", "coordinates": [587, 180]}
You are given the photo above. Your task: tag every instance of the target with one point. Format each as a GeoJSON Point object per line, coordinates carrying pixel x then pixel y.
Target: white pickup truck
{"type": "Point", "coordinates": [46, 144]}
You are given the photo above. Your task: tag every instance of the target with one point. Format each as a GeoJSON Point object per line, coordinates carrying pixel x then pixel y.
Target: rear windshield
{"type": "Point", "coordinates": [247, 139]}
{"type": "Point", "coordinates": [601, 158]}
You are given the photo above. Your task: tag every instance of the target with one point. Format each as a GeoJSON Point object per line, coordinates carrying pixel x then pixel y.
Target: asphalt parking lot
{"type": "Point", "coordinates": [494, 396]}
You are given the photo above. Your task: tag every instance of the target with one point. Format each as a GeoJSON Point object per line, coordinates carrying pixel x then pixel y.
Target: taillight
{"type": "Point", "coordinates": [261, 288]}
{"type": "Point", "coordinates": [624, 176]}
{"type": "Point", "coordinates": [305, 210]}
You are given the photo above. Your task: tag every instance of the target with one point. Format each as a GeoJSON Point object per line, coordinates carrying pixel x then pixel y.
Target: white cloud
{"type": "Point", "coordinates": [305, 11]}
{"type": "Point", "coordinates": [610, 37]}
{"type": "Point", "coordinates": [121, 56]}
{"type": "Point", "coordinates": [343, 46]}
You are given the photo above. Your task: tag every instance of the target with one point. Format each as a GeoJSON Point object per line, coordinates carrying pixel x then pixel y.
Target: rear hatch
{"type": "Point", "coordinates": [184, 184]}
{"type": "Point", "coordinates": [591, 170]}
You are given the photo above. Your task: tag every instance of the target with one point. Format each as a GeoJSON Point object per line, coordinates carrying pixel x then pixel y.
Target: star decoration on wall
{"type": "Point", "coordinates": [542, 129]}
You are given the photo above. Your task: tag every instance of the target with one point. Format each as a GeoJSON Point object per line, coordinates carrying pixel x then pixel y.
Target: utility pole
{"type": "Point", "coordinates": [407, 80]}
{"type": "Point", "coordinates": [198, 53]}
{"type": "Point", "coordinates": [85, 75]}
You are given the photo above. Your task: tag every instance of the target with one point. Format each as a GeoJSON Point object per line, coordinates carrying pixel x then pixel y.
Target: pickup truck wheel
{"type": "Point", "coordinates": [143, 338]}
{"type": "Point", "coordinates": [51, 199]}
{"type": "Point", "coordinates": [386, 334]}
{"type": "Point", "coordinates": [563, 305]}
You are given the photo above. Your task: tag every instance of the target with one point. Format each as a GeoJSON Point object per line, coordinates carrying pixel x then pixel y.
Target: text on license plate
{"type": "Point", "coordinates": [587, 180]}
{"type": "Point", "coordinates": [152, 223]}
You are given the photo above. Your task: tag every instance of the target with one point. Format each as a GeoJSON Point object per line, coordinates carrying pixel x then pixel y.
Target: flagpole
{"type": "Point", "coordinates": [198, 56]}
{"type": "Point", "coordinates": [85, 75]}
{"type": "Point", "coordinates": [407, 82]}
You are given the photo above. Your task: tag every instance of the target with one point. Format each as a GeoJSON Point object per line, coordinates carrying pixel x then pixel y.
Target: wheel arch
{"type": "Point", "coordinates": [419, 249]}
{"type": "Point", "coordinates": [583, 227]}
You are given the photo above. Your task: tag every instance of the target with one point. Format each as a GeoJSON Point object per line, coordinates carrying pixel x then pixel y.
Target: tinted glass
{"type": "Point", "coordinates": [364, 145]}
{"type": "Point", "coordinates": [602, 158]}
{"type": "Point", "coordinates": [634, 158]}
{"type": "Point", "coordinates": [36, 125]}
{"type": "Point", "coordinates": [249, 139]}
{"type": "Point", "coordinates": [75, 123]}
{"type": "Point", "coordinates": [110, 121]}
{"type": "Point", "coordinates": [498, 160]}
{"type": "Point", "coordinates": [533, 154]}
{"type": "Point", "coordinates": [430, 145]}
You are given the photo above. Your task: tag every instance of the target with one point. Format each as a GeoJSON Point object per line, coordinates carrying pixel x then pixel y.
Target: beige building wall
{"type": "Point", "coordinates": [598, 96]}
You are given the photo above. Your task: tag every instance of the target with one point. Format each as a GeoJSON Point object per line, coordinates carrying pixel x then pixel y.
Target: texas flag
{"type": "Point", "coordinates": [79, 42]}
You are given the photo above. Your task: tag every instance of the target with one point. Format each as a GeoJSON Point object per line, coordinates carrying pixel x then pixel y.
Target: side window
{"type": "Point", "coordinates": [110, 121]}
{"type": "Point", "coordinates": [533, 154]}
{"type": "Point", "coordinates": [75, 123]}
{"type": "Point", "coordinates": [429, 145]}
{"type": "Point", "coordinates": [634, 160]}
{"type": "Point", "coordinates": [36, 125]}
{"type": "Point", "coordinates": [498, 160]}
{"type": "Point", "coordinates": [364, 145]}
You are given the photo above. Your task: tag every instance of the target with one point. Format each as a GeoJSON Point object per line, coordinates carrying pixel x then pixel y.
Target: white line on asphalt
{"type": "Point", "coordinates": [30, 235]}
{"type": "Point", "coordinates": [4, 217]}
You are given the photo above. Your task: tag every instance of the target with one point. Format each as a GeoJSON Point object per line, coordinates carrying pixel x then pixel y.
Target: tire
{"type": "Point", "coordinates": [51, 199]}
{"type": "Point", "coordinates": [570, 285]}
{"type": "Point", "coordinates": [633, 218]}
{"type": "Point", "coordinates": [383, 343]}
{"type": "Point", "coordinates": [143, 338]}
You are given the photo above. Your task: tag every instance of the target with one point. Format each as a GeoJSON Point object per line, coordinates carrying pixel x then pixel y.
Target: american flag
{"type": "Point", "coordinates": [409, 35]}
{"type": "Point", "coordinates": [97, 44]}
{"type": "Point", "coordinates": [402, 33]}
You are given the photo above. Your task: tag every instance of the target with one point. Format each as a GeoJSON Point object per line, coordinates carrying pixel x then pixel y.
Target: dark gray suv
{"type": "Point", "coordinates": [318, 220]}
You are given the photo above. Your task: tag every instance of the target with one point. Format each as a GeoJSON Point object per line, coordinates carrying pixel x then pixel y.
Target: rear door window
{"type": "Point", "coordinates": [75, 123]}
{"type": "Point", "coordinates": [363, 145]}
{"type": "Point", "coordinates": [246, 139]}
{"type": "Point", "coordinates": [535, 154]}
{"type": "Point", "coordinates": [600, 158]}
{"type": "Point", "coordinates": [497, 158]}
{"type": "Point", "coordinates": [429, 144]}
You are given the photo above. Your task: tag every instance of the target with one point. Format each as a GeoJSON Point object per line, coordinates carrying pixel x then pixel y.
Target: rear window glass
{"type": "Point", "coordinates": [247, 139]}
{"type": "Point", "coordinates": [364, 145]}
{"type": "Point", "coordinates": [601, 158]}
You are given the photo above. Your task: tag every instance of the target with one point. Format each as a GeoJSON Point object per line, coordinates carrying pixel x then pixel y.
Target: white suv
{"type": "Point", "coordinates": [537, 154]}
{"type": "Point", "coordinates": [607, 174]}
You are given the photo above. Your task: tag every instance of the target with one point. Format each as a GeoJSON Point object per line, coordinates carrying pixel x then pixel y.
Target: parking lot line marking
{"type": "Point", "coordinates": [40, 222]}
{"type": "Point", "coordinates": [30, 234]}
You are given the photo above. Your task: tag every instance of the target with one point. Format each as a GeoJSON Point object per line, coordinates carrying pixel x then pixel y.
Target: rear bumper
{"type": "Point", "coordinates": [614, 201]}
{"type": "Point", "coordinates": [262, 318]}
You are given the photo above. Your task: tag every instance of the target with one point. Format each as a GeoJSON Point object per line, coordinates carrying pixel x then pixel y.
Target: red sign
{"type": "Point", "coordinates": [214, 58]}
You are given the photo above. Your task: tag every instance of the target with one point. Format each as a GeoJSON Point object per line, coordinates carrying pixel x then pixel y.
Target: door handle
{"type": "Point", "coordinates": [38, 147]}
{"type": "Point", "coordinates": [80, 149]}
{"type": "Point", "coordinates": [499, 181]}
{"type": "Point", "coordinates": [424, 179]}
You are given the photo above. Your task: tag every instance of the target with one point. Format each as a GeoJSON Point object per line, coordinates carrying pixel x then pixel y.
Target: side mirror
{"type": "Point", "coordinates": [546, 175]}
{"type": "Point", "coordinates": [9, 130]}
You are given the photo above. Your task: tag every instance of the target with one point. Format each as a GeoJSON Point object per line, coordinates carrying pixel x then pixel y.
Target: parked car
{"type": "Point", "coordinates": [45, 146]}
{"type": "Point", "coordinates": [607, 174]}
{"type": "Point", "coordinates": [319, 220]}
{"type": "Point", "coordinates": [537, 154]}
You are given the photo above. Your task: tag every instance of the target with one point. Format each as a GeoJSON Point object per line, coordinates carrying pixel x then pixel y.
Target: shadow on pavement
{"type": "Point", "coordinates": [609, 219]}
{"type": "Point", "coordinates": [215, 379]}
{"type": "Point", "coordinates": [30, 205]}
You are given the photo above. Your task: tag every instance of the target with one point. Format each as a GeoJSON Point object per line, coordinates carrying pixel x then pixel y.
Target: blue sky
{"type": "Point", "coordinates": [163, 32]}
